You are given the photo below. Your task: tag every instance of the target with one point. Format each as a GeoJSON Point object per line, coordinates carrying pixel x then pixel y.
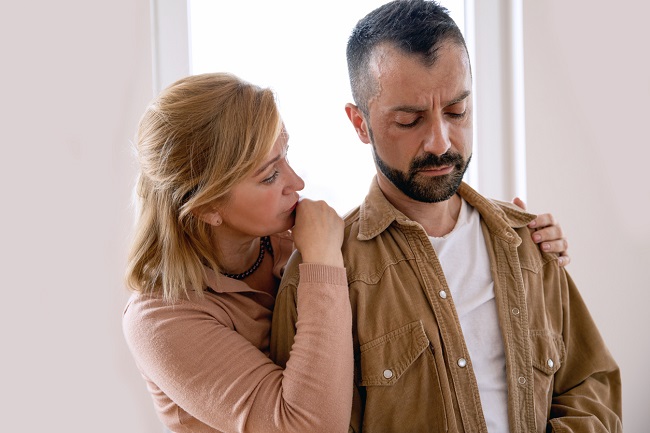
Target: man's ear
{"type": "Point", "coordinates": [358, 122]}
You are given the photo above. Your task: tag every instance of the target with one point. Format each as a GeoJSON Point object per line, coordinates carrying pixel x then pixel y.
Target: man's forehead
{"type": "Point", "coordinates": [384, 55]}
{"type": "Point", "coordinates": [407, 76]}
{"type": "Point", "coordinates": [388, 55]}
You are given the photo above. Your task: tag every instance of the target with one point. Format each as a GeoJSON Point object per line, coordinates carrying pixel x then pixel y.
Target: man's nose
{"type": "Point", "coordinates": [437, 138]}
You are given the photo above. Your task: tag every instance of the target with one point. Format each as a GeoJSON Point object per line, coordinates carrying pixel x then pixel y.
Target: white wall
{"type": "Point", "coordinates": [587, 73]}
{"type": "Point", "coordinates": [75, 77]}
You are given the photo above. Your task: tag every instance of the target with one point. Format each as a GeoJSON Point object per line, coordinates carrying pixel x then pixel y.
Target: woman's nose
{"type": "Point", "coordinates": [295, 182]}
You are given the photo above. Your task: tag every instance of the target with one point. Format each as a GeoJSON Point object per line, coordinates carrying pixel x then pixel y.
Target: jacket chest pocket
{"type": "Point", "coordinates": [548, 354]}
{"type": "Point", "coordinates": [400, 383]}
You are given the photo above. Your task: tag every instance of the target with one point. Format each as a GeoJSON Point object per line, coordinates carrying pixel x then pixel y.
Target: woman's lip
{"type": "Point", "coordinates": [295, 205]}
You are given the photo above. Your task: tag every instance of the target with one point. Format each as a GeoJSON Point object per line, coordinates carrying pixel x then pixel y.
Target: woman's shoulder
{"type": "Point", "coordinates": [144, 315]}
{"type": "Point", "coordinates": [141, 317]}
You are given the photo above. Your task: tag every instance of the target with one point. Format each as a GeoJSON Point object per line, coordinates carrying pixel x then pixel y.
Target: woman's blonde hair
{"type": "Point", "coordinates": [196, 140]}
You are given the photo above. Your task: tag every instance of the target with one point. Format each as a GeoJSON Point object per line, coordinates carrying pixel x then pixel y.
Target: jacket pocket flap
{"type": "Point", "coordinates": [385, 359]}
{"type": "Point", "coordinates": [548, 351]}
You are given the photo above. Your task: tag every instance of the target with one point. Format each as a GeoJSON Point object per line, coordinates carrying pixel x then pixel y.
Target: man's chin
{"type": "Point", "coordinates": [433, 190]}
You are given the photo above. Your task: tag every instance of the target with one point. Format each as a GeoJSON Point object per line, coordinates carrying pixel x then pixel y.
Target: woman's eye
{"type": "Point", "coordinates": [271, 178]}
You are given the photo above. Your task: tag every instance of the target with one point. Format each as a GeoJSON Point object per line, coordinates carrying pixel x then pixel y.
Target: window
{"type": "Point", "coordinates": [297, 49]}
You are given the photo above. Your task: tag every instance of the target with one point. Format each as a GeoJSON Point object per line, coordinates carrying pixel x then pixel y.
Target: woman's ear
{"type": "Point", "coordinates": [358, 122]}
{"type": "Point", "coordinates": [209, 216]}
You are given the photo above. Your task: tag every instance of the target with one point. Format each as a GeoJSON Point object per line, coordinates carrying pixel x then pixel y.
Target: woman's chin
{"type": "Point", "coordinates": [290, 223]}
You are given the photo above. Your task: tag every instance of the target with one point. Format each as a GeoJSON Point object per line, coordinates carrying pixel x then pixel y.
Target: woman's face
{"type": "Point", "coordinates": [265, 202]}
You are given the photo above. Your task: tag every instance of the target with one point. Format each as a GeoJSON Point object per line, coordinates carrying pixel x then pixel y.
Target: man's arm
{"type": "Point", "coordinates": [285, 314]}
{"type": "Point", "coordinates": [587, 387]}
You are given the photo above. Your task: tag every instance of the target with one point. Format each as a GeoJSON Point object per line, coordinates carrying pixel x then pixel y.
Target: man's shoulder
{"type": "Point", "coordinates": [352, 215]}
{"type": "Point", "coordinates": [511, 210]}
{"type": "Point", "coordinates": [351, 229]}
{"type": "Point", "coordinates": [530, 255]}
{"type": "Point", "coordinates": [494, 210]}
{"type": "Point", "coordinates": [291, 273]}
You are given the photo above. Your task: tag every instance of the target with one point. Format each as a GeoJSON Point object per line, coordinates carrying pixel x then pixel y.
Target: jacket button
{"type": "Point", "coordinates": [522, 380]}
{"type": "Point", "coordinates": [388, 374]}
{"type": "Point", "coordinates": [462, 362]}
{"type": "Point", "coordinates": [442, 294]}
{"type": "Point", "coordinates": [515, 311]}
{"type": "Point", "coordinates": [550, 363]}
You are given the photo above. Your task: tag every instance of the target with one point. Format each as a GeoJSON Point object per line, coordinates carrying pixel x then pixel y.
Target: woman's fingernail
{"type": "Point", "coordinates": [537, 238]}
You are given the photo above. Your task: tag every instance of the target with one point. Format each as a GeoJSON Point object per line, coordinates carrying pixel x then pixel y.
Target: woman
{"type": "Point", "coordinates": [217, 201]}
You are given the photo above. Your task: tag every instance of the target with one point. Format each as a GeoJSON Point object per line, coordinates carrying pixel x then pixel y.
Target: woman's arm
{"type": "Point", "coordinates": [219, 381]}
{"type": "Point", "coordinates": [206, 377]}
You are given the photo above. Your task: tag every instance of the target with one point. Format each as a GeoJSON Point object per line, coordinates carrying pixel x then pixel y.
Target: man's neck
{"type": "Point", "coordinates": [437, 219]}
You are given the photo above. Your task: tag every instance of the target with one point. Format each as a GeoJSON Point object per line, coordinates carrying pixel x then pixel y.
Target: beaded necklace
{"type": "Point", "coordinates": [265, 244]}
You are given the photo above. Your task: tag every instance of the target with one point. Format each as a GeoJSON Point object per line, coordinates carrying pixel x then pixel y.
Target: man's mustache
{"type": "Point", "coordinates": [434, 161]}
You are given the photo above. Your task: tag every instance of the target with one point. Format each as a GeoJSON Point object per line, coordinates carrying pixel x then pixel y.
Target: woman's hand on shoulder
{"type": "Point", "coordinates": [318, 233]}
{"type": "Point", "coordinates": [548, 234]}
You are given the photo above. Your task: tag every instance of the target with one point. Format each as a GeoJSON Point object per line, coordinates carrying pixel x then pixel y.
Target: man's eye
{"type": "Point", "coordinates": [408, 125]}
{"type": "Point", "coordinates": [271, 178]}
{"type": "Point", "coordinates": [457, 115]}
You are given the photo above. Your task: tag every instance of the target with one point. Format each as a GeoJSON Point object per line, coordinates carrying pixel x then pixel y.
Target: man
{"type": "Point", "coordinates": [460, 323]}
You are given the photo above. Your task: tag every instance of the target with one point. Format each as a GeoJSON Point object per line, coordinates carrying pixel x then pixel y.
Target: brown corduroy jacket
{"type": "Point", "coordinates": [407, 339]}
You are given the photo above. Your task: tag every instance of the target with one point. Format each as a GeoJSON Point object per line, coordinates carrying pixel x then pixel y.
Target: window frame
{"type": "Point", "coordinates": [495, 42]}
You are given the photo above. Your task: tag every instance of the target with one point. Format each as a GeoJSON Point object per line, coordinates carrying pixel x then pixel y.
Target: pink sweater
{"type": "Point", "coordinates": [205, 361]}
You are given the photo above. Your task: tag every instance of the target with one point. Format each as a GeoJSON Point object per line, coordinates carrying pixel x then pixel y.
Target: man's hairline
{"type": "Point", "coordinates": [369, 75]}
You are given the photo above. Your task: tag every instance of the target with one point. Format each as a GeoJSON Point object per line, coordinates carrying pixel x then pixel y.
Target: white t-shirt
{"type": "Point", "coordinates": [466, 264]}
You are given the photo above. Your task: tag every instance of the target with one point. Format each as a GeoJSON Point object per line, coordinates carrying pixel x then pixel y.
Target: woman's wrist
{"type": "Point", "coordinates": [335, 259]}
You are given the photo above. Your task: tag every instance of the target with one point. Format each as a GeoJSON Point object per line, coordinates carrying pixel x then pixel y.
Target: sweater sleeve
{"type": "Point", "coordinates": [220, 382]}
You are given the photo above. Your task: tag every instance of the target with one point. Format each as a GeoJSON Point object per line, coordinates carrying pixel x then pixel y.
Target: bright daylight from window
{"type": "Point", "coordinates": [297, 48]}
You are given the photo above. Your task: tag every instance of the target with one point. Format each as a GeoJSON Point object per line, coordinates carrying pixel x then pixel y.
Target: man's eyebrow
{"type": "Point", "coordinates": [408, 109]}
{"type": "Point", "coordinates": [460, 98]}
{"type": "Point", "coordinates": [416, 109]}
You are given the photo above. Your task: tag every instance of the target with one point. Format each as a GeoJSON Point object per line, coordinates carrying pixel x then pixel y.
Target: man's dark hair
{"type": "Point", "coordinates": [413, 26]}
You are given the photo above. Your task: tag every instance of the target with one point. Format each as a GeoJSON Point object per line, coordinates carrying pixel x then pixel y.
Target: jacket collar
{"type": "Point", "coordinates": [376, 214]}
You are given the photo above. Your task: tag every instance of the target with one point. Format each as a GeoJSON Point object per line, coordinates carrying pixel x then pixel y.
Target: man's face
{"type": "Point", "coordinates": [420, 121]}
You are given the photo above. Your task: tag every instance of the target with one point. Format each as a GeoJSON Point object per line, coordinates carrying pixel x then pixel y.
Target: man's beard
{"type": "Point", "coordinates": [427, 189]}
